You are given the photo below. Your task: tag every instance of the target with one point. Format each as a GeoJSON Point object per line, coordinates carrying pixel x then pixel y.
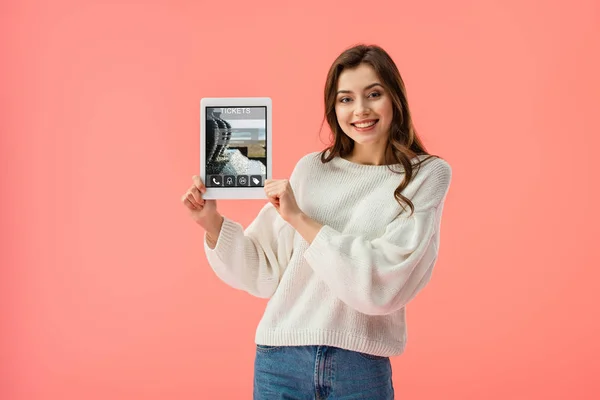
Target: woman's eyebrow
{"type": "Point", "coordinates": [366, 88]}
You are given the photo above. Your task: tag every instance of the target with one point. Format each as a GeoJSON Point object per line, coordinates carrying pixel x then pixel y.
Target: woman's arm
{"type": "Point", "coordinates": [253, 259]}
{"type": "Point", "coordinates": [381, 276]}
{"type": "Point", "coordinates": [212, 231]}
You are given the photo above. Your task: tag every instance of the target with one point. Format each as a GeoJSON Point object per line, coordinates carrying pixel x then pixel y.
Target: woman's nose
{"type": "Point", "coordinates": [361, 109]}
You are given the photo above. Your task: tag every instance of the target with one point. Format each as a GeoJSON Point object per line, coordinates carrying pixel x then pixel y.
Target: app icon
{"type": "Point", "coordinates": [216, 180]}
{"type": "Point", "coordinates": [229, 180]}
{"type": "Point", "coordinates": [256, 180]}
{"type": "Point", "coordinates": [242, 180]}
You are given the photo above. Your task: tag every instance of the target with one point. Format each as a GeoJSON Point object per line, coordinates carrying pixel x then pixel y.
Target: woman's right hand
{"type": "Point", "coordinates": [203, 212]}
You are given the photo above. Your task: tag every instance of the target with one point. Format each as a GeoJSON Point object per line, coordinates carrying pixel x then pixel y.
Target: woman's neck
{"type": "Point", "coordinates": [369, 155]}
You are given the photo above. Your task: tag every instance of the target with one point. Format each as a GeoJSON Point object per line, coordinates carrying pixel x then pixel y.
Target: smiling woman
{"type": "Point", "coordinates": [367, 110]}
{"type": "Point", "coordinates": [335, 248]}
{"type": "Point", "coordinates": [364, 112]}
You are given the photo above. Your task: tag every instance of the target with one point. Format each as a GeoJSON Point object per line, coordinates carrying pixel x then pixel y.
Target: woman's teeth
{"type": "Point", "coordinates": [365, 124]}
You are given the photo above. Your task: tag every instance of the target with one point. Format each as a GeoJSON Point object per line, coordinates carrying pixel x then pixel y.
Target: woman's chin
{"type": "Point", "coordinates": [367, 140]}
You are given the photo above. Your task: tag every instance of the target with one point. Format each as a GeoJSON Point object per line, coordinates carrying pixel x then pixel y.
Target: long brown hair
{"type": "Point", "coordinates": [403, 144]}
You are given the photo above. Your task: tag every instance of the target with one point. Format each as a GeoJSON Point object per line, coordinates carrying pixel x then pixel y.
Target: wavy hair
{"type": "Point", "coordinates": [403, 145]}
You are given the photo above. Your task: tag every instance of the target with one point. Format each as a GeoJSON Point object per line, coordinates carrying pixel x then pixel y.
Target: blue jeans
{"type": "Point", "coordinates": [320, 372]}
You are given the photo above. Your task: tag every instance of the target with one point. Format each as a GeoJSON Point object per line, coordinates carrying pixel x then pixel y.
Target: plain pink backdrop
{"type": "Point", "coordinates": [105, 292]}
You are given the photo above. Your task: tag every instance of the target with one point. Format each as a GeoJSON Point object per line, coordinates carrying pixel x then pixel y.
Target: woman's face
{"type": "Point", "coordinates": [363, 108]}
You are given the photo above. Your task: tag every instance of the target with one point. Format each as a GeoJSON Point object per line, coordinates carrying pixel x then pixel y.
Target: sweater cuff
{"type": "Point", "coordinates": [225, 240]}
{"type": "Point", "coordinates": [316, 253]}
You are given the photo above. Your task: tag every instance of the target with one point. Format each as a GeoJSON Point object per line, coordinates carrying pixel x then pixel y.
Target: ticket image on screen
{"type": "Point", "coordinates": [236, 146]}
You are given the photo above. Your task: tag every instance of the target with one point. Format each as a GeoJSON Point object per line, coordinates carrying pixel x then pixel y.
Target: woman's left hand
{"type": "Point", "coordinates": [280, 194]}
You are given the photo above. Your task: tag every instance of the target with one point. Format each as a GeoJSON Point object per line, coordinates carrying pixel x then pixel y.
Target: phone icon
{"type": "Point", "coordinates": [216, 180]}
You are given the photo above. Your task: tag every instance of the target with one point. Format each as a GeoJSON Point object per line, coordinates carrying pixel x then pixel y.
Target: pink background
{"type": "Point", "coordinates": [104, 289]}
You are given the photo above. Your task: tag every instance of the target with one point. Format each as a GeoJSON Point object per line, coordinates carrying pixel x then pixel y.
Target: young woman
{"type": "Point", "coordinates": [342, 246]}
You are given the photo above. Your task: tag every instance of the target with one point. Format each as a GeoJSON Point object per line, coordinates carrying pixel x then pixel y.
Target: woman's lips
{"type": "Point", "coordinates": [366, 125]}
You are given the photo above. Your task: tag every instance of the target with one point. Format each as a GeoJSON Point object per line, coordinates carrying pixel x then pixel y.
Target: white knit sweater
{"type": "Point", "coordinates": [350, 286]}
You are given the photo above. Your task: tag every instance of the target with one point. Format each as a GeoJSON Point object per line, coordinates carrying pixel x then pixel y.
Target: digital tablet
{"type": "Point", "coordinates": [235, 146]}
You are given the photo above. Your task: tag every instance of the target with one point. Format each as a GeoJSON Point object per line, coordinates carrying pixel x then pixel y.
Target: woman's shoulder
{"type": "Point", "coordinates": [312, 157]}
{"type": "Point", "coordinates": [304, 167]}
{"type": "Point", "coordinates": [434, 166]}
{"type": "Point", "coordinates": [431, 183]}
{"type": "Point", "coordinates": [309, 160]}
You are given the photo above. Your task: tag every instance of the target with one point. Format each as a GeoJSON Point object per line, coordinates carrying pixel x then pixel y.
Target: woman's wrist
{"type": "Point", "coordinates": [307, 227]}
{"type": "Point", "coordinates": [212, 226]}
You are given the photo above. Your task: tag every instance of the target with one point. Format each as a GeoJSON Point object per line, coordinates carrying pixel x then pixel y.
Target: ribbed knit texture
{"type": "Point", "coordinates": [350, 286]}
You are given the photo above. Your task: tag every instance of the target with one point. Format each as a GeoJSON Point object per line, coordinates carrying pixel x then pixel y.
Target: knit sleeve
{"type": "Point", "coordinates": [381, 276]}
{"type": "Point", "coordinates": [253, 259]}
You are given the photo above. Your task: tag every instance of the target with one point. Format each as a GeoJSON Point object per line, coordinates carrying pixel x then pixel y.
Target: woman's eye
{"type": "Point", "coordinates": [343, 100]}
{"type": "Point", "coordinates": [375, 94]}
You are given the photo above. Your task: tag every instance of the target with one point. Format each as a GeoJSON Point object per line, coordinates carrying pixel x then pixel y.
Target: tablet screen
{"type": "Point", "coordinates": [236, 146]}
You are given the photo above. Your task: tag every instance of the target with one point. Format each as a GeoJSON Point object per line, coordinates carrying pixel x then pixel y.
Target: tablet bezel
{"type": "Point", "coordinates": [256, 192]}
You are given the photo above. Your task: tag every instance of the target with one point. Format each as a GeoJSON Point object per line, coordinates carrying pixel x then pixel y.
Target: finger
{"type": "Point", "coordinates": [275, 186]}
{"type": "Point", "coordinates": [282, 185]}
{"type": "Point", "coordinates": [272, 193]}
{"type": "Point", "coordinates": [189, 204]}
{"type": "Point", "coordinates": [274, 202]}
{"type": "Point", "coordinates": [277, 191]}
{"type": "Point", "coordinates": [195, 192]}
{"type": "Point", "coordinates": [275, 181]}
{"type": "Point", "coordinates": [198, 183]}
{"type": "Point", "coordinates": [268, 185]}
{"type": "Point", "coordinates": [272, 182]}
{"type": "Point", "coordinates": [192, 199]}
{"type": "Point", "coordinates": [185, 198]}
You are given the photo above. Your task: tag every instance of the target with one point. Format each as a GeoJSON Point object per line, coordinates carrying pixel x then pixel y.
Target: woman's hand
{"type": "Point", "coordinates": [204, 212]}
{"type": "Point", "coordinates": [280, 194]}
